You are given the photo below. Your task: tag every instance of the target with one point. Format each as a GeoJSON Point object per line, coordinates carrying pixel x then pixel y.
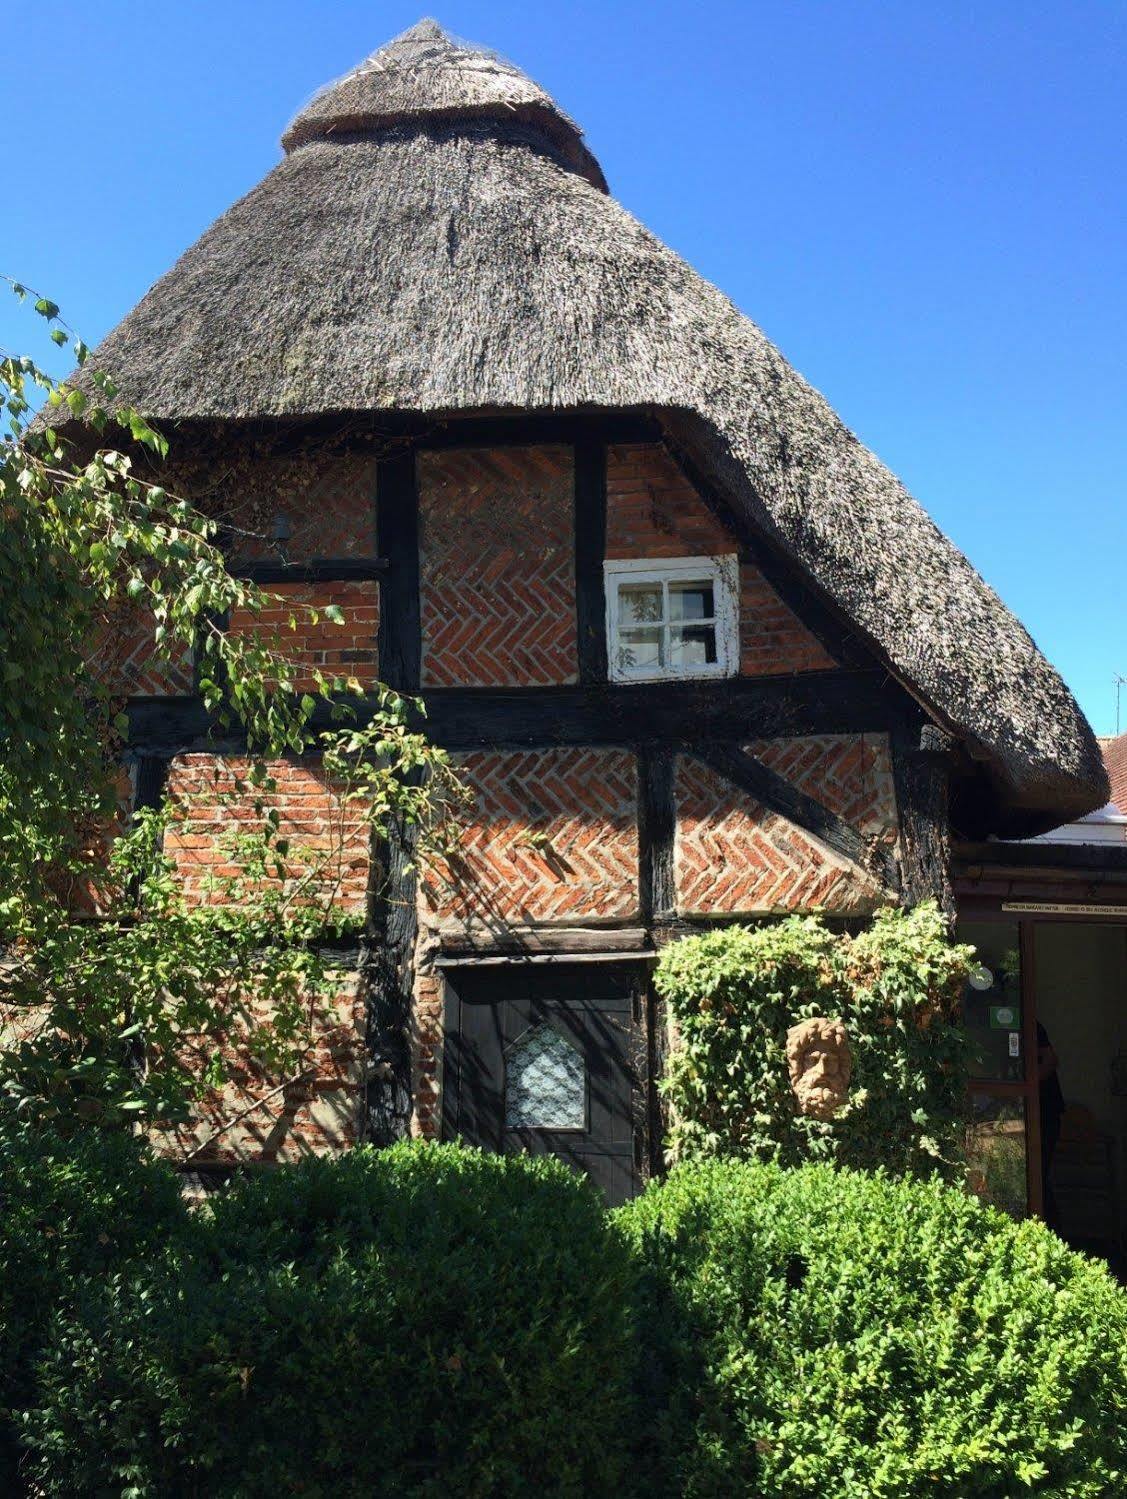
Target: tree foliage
{"type": "Point", "coordinates": [113, 983]}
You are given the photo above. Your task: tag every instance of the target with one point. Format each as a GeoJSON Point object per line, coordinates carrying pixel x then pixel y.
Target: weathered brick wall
{"type": "Point", "coordinates": [320, 1111]}
{"type": "Point", "coordinates": [348, 650]}
{"type": "Point", "coordinates": [653, 511]}
{"type": "Point", "coordinates": [211, 801]}
{"type": "Point", "coordinates": [324, 503]}
{"type": "Point", "coordinates": [426, 1043]}
{"type": "Point", "coordinates": [497, 570]}
{"type": "Point", "coordinates": [551, 836]}
{"type": "Point", "coordinates": [733, 855]}
{"type": "Point", "coordinates": [254, 1119]}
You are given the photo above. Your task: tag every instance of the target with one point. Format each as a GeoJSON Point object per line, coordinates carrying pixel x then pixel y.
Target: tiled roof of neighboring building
{"type": "Point", "coordinates": [1115, 758]}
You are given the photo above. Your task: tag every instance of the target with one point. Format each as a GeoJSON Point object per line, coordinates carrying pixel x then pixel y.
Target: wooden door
{"type": "Point", "coordinates": [547, 1059]}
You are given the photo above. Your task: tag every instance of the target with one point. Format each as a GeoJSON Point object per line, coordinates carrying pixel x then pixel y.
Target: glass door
{"type": "Point", "coordinates": [1003, 1133]}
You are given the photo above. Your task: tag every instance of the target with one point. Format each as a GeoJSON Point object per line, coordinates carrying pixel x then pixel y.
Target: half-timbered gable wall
{"type": "Point", "coordinates": [601, 812]}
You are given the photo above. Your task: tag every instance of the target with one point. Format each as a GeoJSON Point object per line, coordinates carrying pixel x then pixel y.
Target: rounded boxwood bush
{"type": "Point", "coordinates": [425, 1320]}
{"type": "Point", "coordinates": [72, 1206]}
{"type": "Point", "coordinates": [819, 1332]}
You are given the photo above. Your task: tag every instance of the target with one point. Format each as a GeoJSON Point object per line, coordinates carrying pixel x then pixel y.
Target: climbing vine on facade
{"type": "Point", "coordinates": [120, 996]}
{"type": "Point", "coordinates": [734, 993]}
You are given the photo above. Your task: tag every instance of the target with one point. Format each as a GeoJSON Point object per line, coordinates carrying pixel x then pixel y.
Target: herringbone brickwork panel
{"type": "Point", "coordinates": [125, 661]}
{"type": "Point", "coordinates": [552, 835]}
{"type": "Point", "coordinates": [851, 774]}
{"type": "Point", "coordinates": [497, 568]}
{"type": "Point", "coordinates": [211, 802]}
{"type": "Point", "coordinates": [653, 511]}
{"type": "Point", "coordinates": [291, 509]}
{"type": "Point", "coordinates": [734, 855]}
{"type": "Point", "coordinates": [348, 650]}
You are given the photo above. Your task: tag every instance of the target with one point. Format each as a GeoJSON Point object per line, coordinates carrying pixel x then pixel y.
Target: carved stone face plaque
{"type": "Point", "coordinates": [820, 1064]}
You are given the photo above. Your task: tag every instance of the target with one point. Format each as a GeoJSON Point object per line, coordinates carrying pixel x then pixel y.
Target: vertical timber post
{"type": "Point", "coordinates": [657, 820]}
{"type": "Point", "coordinates": [387, 960]}
{"type": "Point", "coordinates": [657, 825]}
{"type": "Point", "coordinates": [921, 767]}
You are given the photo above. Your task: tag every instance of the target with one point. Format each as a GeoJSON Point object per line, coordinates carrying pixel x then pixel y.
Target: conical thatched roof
{"type": "Point", "coordinates": [437, 239]}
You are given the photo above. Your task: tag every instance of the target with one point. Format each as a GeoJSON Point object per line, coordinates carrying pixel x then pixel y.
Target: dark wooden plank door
{"type": "Point", "coordinates": [545, 1059]}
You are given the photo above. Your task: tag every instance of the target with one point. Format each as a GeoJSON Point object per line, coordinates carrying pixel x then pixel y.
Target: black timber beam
{"type": "Point", "coordinates": [397, 532]}
{"type": "Point", "coordinates": [387, 963]}
{"type": "Point", "coordinates": [657, 900]}
{"type": "Point", "coordinates": [657, 826]}
{"type": "Point", "coordinates": [843, 702]}
{"type": "Point", "coordinates": [389, 957]}
{"type": "Point", "coordinates": [150, 778]}
{"type": "Point", "coordinates": [748, 708]}
{"type": "Point", "coordinates": [317, 570]}
{"type": "Point", "coordinates": [782, 796]}
{"type": "Point", "coordinates": [921, 768]}
{"type": "Point", "coordinates": [517, 430]}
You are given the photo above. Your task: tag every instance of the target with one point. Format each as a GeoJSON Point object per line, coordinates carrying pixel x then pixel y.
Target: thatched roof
{"type": "Point", "coordinates": [437, 240]}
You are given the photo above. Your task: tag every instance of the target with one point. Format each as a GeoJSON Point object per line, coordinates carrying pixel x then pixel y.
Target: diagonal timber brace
{"type": "Point", "coordinates": [805, 811]}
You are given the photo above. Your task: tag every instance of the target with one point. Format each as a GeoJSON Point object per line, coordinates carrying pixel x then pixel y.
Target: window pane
{"type": "Point", "coordinates": [545, 1083]}
{"type": "Point", "coordinates": [693, 647]}
{"type": "Point", "coordinates": [639, 603]}
{"type": "Point", "coordinates": [992, 1001]}
{"type": "Point", "coordinates": [691, 601]}
{"type": "Point", "coordinates": [639, 650]}
{"type": "Point", "coordinates": [996, 1152]}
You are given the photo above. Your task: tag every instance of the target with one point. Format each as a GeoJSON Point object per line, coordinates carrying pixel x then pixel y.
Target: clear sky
{"type": "Point", "coordinates": [922, 202]}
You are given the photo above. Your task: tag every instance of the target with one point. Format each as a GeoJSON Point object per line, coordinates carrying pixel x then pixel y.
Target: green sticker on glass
{"type": "Point", "coordinates": [1005, 1017]}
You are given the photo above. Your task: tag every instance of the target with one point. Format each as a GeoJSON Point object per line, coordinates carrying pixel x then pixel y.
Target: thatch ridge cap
{"type": "Point", "coordinates": [426, 73]}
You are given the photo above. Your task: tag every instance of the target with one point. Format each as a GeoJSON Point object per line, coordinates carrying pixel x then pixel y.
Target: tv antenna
{"type": "Point", "coordinates": [1120, 683]}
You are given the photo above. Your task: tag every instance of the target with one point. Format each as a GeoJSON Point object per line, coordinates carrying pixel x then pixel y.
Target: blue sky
{"type": "Point", "coordinates": [923, 204]}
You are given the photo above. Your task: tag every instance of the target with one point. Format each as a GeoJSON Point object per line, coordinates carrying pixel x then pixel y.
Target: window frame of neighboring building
{"type": "Point", "coordinates": [720, 573]}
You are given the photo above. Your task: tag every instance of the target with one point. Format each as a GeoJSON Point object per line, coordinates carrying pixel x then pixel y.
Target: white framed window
{"type": "Point", "coordinates": [672, 619]}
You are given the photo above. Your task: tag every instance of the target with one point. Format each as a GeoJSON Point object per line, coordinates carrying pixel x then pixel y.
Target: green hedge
{"type": "Point", "coordinates": [425, 1320]}
{"type": "Point", "coordinates": [733, 994]}
{"type": "Point", "coordinates": [429, 1320]}
{"type": "Point", "coordinates": [838, 1335]}
{"type": "Point", "coordinates": [70, 1208]}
